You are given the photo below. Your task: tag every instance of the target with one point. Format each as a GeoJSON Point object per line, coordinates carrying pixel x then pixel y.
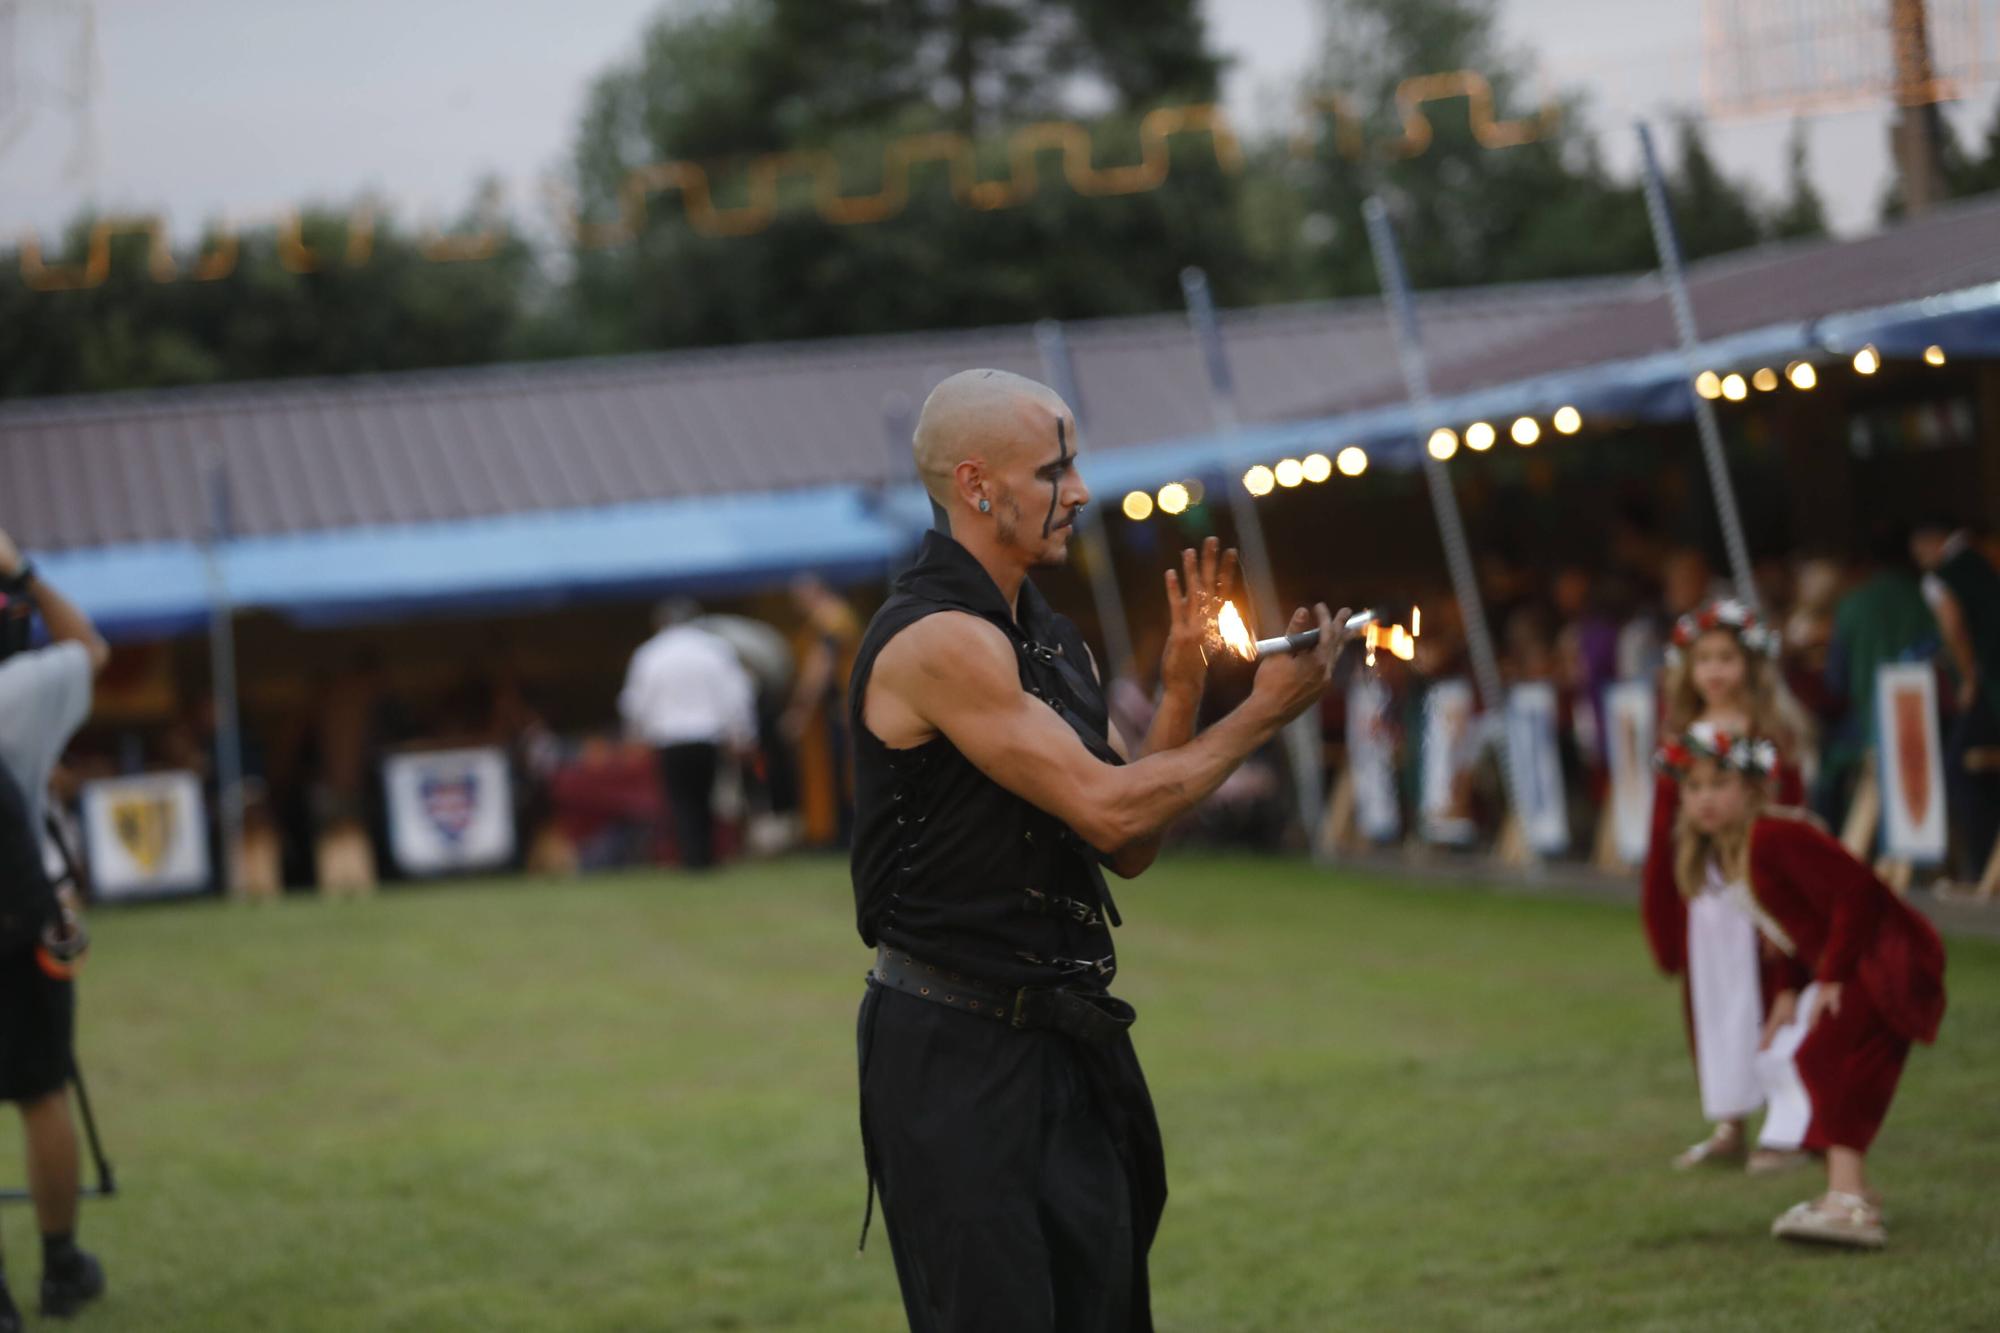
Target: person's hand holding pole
{"type": "Point", "coordinates": [1288, 684]}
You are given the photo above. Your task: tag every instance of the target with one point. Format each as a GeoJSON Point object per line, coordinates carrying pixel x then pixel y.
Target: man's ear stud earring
{"type": "Point", "coordinates": [985, 506]}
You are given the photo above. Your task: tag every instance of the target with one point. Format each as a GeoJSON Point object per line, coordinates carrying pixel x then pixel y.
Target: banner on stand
{"type": "Point", "coordinates": [146, 836]}
{"type": "Point", "coordinates": [450, 810]}
{"type": "Point", "coordinates": [1911, 763]}
{"type": "Point", "coordinates": [1451, 749]}
{"type": "Point", "coordinates": [1631, 721]}
{"type": "Point", "coordinates": [1371, 758]}
{"type": "Point", "coordinates": [1531, 737]}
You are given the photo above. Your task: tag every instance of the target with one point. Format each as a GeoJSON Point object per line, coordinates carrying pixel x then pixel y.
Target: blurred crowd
{"type": "Point", "coordinates": [728, 736]}
{"type": "Point", "coordinates": [1921, 593]}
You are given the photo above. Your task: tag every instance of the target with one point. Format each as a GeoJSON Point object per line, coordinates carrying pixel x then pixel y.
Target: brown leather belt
{"type": "Point", "coordinates": [1087, 1015]}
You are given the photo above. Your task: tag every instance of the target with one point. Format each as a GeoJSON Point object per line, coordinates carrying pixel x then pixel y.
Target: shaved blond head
{"type": "Point", "coordinates": [987, 416]}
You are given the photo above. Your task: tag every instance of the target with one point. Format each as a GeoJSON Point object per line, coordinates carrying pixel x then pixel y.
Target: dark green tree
{"type": "Point", "coordinates": [398, 310]}
{"type": "Point", "coordinates": [848, 76]}
{"type": "Point", "coordinates": [1801, 213]}
{"type": "Point", "coordinates": [1713, 213]}
{"type": "Point", "coordinates": [1468, 213]}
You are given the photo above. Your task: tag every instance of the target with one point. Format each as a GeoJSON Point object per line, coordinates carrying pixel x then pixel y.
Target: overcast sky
{"type": "Point", "coordinates": [235, 108]}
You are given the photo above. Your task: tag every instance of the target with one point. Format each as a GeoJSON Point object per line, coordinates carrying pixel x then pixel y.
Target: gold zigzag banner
{"type": "Point", "coordinates": [820, 169]}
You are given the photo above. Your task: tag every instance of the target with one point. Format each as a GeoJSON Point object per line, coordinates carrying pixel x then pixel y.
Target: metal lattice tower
{"type": "Point", "coordinates": [49, 71]}
{"type": "Point", "coordinates": [1796, 57]}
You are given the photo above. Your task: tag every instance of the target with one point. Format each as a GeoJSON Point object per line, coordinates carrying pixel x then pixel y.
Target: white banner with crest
{"type": "Point", "coordinates": [146, 836]}
{"type": "Point", "coordinates": [1631, 716]}
{"type": "Point", "coordinates": [1531, 735]}
{"type": "Point", "coordinates": [1912, 763]}
{"type": "Point", "coordinates": [1371, 758]}
{"type": "Point", "coordinates": [1451, 748]}
{"type": "Point", "coordinates": [450, 810]}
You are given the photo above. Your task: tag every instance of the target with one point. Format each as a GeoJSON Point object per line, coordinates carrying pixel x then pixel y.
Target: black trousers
{"type": "Point", "coordinates": [1020, 1173]}
{"type": "Point", "coordinates": [1975, 796]}
{"type": "Point", "coordinates": [688, 774]}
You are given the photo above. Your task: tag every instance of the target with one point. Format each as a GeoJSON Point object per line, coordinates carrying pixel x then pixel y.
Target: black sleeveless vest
{"type": "Point", "coordinates": [950, 866]}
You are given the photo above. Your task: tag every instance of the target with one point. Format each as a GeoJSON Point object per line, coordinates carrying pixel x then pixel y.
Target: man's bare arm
{"type": "Point", "coordinates": [958, 674]}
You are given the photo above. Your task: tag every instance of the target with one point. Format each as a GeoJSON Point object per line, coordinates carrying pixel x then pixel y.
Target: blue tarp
{"type": "Point", "coordinates": [713, 545]}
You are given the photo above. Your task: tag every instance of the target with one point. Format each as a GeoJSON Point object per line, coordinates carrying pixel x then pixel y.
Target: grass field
{"type": "Point", "coordinates": [628, 1103]}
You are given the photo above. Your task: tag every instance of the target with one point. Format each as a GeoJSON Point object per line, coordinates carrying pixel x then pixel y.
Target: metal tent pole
{"type": "Point", "coordinates": [1660, 213]}
{"type": "Point", "coordinates": [1302, 737]}
{"type": "Point", "coordinates": [1060, 368]}
{"type": "Point", "coordinates": [1444, 502]}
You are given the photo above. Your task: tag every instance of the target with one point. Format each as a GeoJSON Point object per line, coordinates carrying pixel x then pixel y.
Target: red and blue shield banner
{"type": "Point", "coordinates": [450, 810]}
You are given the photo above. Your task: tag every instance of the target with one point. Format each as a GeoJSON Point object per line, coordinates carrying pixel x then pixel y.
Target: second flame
{"type": "Point", "coordinates": [1229, 624]}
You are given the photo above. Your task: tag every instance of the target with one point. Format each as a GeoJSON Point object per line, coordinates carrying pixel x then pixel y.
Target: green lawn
{"type": "Point", "coordinates": [628, 1103]}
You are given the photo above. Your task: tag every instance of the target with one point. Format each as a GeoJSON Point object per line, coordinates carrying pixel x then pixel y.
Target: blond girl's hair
{"type": "Point", "coordinates": [1693, 849]}
{"type": "Point", "coordinates": [1765, 699]}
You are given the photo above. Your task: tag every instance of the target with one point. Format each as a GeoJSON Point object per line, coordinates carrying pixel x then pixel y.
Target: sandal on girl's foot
{"type": "Point", "coordinates": [1835, 1218]}
{"type": "Point", "coordinates": [1721, 1148]}
{"type": "Point", "coordinates": [1775, 1161]}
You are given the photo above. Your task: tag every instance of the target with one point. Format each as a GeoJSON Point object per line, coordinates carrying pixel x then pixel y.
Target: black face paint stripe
{"type": "Point", "coordinates": [1055, 482]}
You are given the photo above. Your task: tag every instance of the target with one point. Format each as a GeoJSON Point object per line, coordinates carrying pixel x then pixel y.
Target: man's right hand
{"type": "Point", "coordinates": [1290, 683]}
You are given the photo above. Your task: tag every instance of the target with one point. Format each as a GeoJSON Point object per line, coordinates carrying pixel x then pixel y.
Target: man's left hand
{"type": "Point", "coordinates": [1195, 593]}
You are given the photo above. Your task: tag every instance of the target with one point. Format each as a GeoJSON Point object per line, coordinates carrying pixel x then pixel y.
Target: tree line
{"type": "Point", "coordinates": [726, 81]}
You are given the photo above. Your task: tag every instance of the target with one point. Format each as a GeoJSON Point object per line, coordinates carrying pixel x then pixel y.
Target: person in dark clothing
{"type": "Point", "coordinates": [44, 697]}
{"type": "Point", "coordinates": [1004, 1115]}
{"type": "Point", "coordinates": [1963, 590]}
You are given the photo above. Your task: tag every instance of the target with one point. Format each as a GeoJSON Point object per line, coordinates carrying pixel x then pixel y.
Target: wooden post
{"type": "Point", "coordinates": [1864, 813]}
{"type": "Point", "coordinates": [345, 860]}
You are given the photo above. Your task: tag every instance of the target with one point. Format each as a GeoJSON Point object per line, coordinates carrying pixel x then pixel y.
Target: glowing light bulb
{"type": "Point", "coordinates": [1568, 420]}
{"type": "Point", "coordinates": [1318, 467]}
{"type": "Point", "coordinates": [1802, 375]}
{"type": "Point", "coordinates": [1708, 384]}
{"type": "Point", "coordinates": [1765, 380]}
{"type": "Point", "coordinates": [1444, 443]}
{"type": "Point", "coordinates": [1734, 388]}
{"type": "Point", "coordinates": [1259, 481]}
{"type": "Point", "coordinates": [1479, 436]}
{"type": "Point", "coordinates": [1138, 506]}
{"type": "Point", "coordinates": [1526, 431]}
{"type": "Point", "coordinates": [1353, 461]}
{"type": "Point", "coordinates": [1173, 498]}
{"type": "Point", "coordinates": [1867, 361]}
{"type": "Point", "coordinates": [1290, 472]}
{"type": "Point", "coordinates": [1934, 355]}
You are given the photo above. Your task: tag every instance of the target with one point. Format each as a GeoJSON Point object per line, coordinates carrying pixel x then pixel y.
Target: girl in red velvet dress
{"type": "Point", "coordinates": [1721, 673]}
{"type": "Point", "coordinates": [1877, 967]}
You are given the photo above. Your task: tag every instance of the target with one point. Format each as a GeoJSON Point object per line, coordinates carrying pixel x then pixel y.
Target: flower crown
{"type": "Point", "coordinates": [1727, 614]}
{"type": "Point", "coordinates": [1752, 756]}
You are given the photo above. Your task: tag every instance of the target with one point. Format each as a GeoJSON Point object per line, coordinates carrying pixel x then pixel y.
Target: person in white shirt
{"type": "Point", "coordinates": [45, 696]}
{"type": "Point", "coordinates": [689, 697]}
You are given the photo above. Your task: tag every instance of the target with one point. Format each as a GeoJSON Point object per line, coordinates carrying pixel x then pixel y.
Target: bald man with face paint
{"type": "Point", "coordinates": [1004, 1117]}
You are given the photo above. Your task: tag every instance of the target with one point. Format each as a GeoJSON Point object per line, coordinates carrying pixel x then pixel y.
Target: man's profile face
{"type": "Point", "coordinates": [1039, 492]}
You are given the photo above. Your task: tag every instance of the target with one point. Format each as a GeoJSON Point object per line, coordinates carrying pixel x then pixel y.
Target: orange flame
{"type": "Point", "coordinates": [1229, 624]}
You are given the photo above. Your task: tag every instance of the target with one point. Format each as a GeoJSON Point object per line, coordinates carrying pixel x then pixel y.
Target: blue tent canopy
{"type": "Point", "coordinates": [549, 558]}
